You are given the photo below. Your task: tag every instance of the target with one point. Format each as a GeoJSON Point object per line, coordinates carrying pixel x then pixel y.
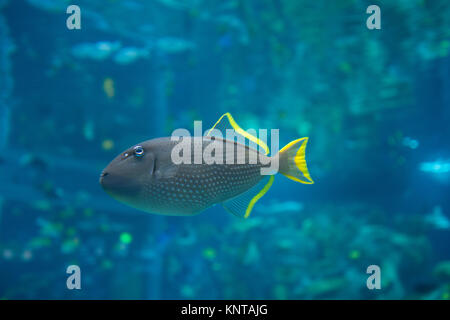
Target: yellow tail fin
{"type": "Point", "coordinates": [293, 163]}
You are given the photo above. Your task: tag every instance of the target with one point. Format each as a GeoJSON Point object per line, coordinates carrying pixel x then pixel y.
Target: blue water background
{"type": "Point", "coordinates": [374, 103]}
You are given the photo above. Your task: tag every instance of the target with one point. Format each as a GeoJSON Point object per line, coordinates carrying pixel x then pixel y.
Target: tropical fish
{"type": "Point", "coordinates": [129, 55]}
{"type": "Point", "coordinates": [147, 178]}
{"type": "Point", "coordinates": [95, 51]}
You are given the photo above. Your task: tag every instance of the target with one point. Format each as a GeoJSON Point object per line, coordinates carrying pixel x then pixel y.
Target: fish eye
{"type": "Point", "coordinates": [138, 151]}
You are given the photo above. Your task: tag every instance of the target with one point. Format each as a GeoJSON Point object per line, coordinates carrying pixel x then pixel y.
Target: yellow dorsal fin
{"type": "Point", "coordinates": [226, 121]}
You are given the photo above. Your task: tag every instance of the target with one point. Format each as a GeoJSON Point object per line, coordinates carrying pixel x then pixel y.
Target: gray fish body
{"type": "Point", "coordinates": [152, 182]}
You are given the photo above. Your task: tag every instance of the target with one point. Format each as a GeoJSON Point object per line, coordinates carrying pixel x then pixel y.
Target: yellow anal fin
{"type": "Point", "coordinates": [242, 205]}
{"type": "Point", "coordinates": [226, 121]}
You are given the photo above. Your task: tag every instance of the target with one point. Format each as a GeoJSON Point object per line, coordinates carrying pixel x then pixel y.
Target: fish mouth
{"type": "Point", "coordinates": [102, 176]}
{"type": "Point", "coordinates": [117, 184]}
